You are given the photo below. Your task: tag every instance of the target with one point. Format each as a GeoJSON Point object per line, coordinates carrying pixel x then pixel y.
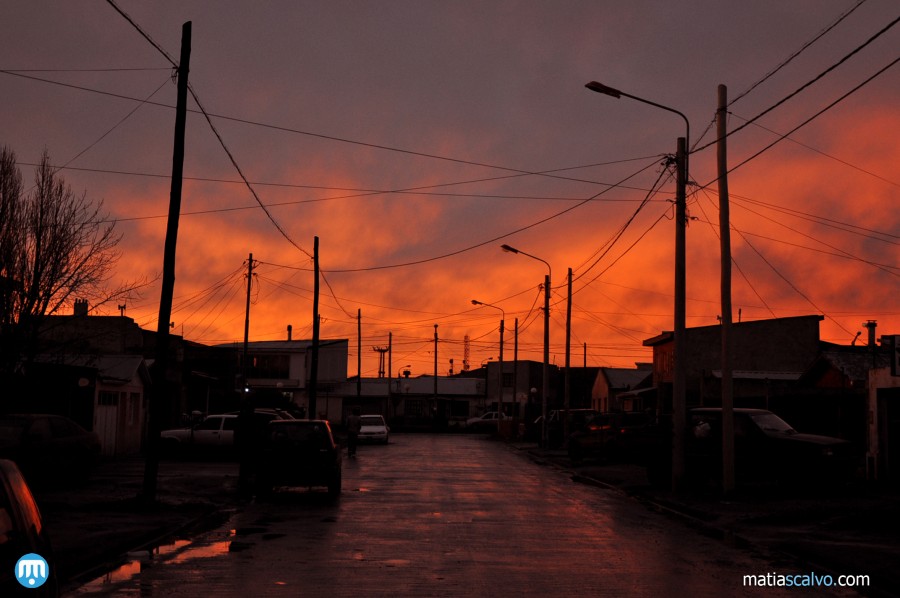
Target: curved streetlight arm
{"type": "Point", "coordinates": [509, 249]}
{"type": "Point", "coordinates": [615, 93]}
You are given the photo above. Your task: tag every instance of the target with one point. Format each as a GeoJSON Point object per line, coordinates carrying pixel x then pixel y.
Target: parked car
{"type": "Point", "coordinates": [22, 533]}
{"type": "Point", "coordinates": [48, 448]}
{"type": "Point", "coordinates": [486, 422]}
{"type": "Point", "coordinates": [625, 436]}
{"type": "Point", "coordinates": [766, 449]}
{"type": "Point", "coordinates": [577, 418]}
{"type": "Point", "coordinates": [216, 433]}
{"type": "Point", "coordinates": [299, 453]}
{"type": "Point", "coordinates": [373, 429]}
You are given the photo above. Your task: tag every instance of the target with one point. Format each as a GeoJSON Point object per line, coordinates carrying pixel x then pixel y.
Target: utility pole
{"type": "Point", "coordinates": [679, 381]}
{"type": "Point", "coordinates": [381, 352]}
{"type": "Point", "coordinates": [245, 416]}
{"type": "Point", "coordinates": [244, 355]}
{"type": "Point", "coordinates": [435, 361]}
{"type": "Point", "coordinates": [500, 378]}
{"type": "Point", "coordinates": [567, 397]}
{"type": "Point", "coordinates": [728, 477]}
{"type": "Point", "coordinates": [312, 391]}
{"type": "Point", "coordinates": [515, 388]}
{"type": "Point", "coordinates": [159, 405]}
{"type": "Point", "coordinates": [358, 352]}
{"type": "Point", "coordinates": [545, 367]}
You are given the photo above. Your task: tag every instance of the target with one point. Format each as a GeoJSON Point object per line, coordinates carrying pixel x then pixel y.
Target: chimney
{"type": "Point", "coordinates": [871, 325]}
{"type": "Point", "coordinates": [81, 307]}
{"type": "Point", "coordinates": [290, 331]}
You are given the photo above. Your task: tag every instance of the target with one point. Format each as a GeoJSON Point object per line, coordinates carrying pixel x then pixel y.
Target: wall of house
{"type": "Point", "coordinates": [883, 450]}
{"type": "Point", "coordinates": [119, 418]}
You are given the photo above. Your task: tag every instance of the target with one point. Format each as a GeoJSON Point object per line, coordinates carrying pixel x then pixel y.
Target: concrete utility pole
{"type": "Point", "coordinates": [728, 475]}
{"type": "Point", "coordinates": [434, 407]}
{"type": "Point", "coordinates": [679, 375]}
{"type": "Point", "coordinates": [312, 391]}
{"type": "Point", "coordinates": [159, 405]}
{"type": "Point", "coordinates": [515, 387]}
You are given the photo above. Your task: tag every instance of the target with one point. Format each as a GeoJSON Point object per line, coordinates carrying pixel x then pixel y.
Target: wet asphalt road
{"type": "Point", "coordinates": [446, 515]}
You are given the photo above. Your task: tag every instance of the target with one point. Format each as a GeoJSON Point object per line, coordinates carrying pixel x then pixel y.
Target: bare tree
{"type": "Point", "coordinates": [55, 246]}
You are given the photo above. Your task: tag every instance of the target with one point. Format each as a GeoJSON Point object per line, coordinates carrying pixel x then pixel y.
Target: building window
{"type": "Point", "coordinates": [507, 380]}
{"type": "Point", "coordinates": [269, 366]}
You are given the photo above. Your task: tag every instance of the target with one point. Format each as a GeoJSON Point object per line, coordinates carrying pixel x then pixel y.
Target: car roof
{"type": "Point", "coordinates": [736, 410]}
{"type": "Point", "coordinates": [297, 422]}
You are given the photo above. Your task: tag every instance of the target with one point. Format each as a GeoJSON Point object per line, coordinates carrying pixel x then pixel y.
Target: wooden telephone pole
{"type": "Point", "coordinates": [159, 403]}
{"type": "Point", "coordinates": [728, 478]}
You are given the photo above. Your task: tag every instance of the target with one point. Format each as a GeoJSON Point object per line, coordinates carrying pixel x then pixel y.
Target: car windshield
{"type": "Point", "coordinates": [769, 422]}
{"type": "Point", "coordinates": [372, 420]}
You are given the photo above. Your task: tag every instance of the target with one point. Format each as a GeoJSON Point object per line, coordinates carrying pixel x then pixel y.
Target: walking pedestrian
{"type": "Point", "coordinates": [354, 425]}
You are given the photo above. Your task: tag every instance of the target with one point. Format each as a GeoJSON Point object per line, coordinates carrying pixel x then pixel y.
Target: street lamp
{"type": "Point", "coordinates": [545, 376]}
{"type": "Point", "coordinates": [500, 376]}
{"type": "Point", "coordinates": [679, 377]}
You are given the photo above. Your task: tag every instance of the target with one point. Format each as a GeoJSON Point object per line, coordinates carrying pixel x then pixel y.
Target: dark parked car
{"type": "Point", "coordinates": [556, 420]}
{"type": "Point", "coordinates": [48, 448]}
{"type": "Point", "coordinates": [615, 435]}
{"type": "Point", "coordinates": [766, 449]}
{"type": "Point", "coordinates": [22, 533]}
{"type": "Point", "coordinates": [298, 453]}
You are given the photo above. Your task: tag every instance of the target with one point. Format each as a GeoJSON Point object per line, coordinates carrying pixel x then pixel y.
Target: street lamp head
{"type": "Point", "coordinates": [601, 88]}
{"type": "Point", "coordinates": [509, 249]}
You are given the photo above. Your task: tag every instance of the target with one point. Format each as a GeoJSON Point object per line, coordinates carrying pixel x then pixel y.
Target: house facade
{"type": "Point", "coordinates": [618, 389]}
{"type": "Point", "coordinates": [769, 357]}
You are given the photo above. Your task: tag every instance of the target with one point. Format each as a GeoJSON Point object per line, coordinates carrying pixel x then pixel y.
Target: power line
{"type": "Point", "coordinates": [516, 171]}
{"type": "Point", "coordinates": [812, 81]}
{"type": "Point", "coordinates": [798, 52]}
{"type": "Point", "coordinates": [810, 119]}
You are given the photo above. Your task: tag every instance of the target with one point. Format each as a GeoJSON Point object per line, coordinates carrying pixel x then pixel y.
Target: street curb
{"type": "Point", "coordinates": [112, 558]}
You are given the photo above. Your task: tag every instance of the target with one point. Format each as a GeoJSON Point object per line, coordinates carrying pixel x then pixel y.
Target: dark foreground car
{"type": "Point", "coordinates": [620, 436]}
{"type": "Point", "coordinates": [22, 534]}
{"type": "Point", "coordinates": [298, 453]}
{"type": "Point", "coordinates": [766, 450]}
{"type": "Point", "coordinates": [49, 449]}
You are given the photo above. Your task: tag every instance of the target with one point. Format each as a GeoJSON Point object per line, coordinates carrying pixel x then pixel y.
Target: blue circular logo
{"type": "Point", "coordinates": [32, 570]}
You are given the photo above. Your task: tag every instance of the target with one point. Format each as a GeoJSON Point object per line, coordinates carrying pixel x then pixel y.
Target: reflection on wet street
{"type": "Point", "coordinates": [442, 516]}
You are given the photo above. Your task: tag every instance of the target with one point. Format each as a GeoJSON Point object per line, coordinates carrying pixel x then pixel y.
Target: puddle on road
{"type": "Point", "coordinates": [179, 551]}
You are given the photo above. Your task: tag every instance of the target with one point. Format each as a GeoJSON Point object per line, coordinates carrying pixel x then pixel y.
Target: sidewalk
{"type": "Point", "coordinates": [846, 531]}
{"type": "Point", "coordinates": [95, 524]}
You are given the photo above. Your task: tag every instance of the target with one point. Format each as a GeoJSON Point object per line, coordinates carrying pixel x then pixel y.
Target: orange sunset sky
{"type": "Point", "coordinates": [415, 137]}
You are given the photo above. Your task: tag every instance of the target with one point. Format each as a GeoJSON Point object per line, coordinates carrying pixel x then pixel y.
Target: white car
{"type": "Point", "coordinates": [484, 423]}
{"type": "Point", "coordinates": [373, 429]}
{"type": "Point", "coordinates": [216, 432]}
